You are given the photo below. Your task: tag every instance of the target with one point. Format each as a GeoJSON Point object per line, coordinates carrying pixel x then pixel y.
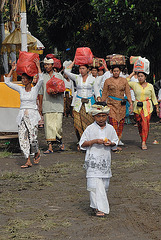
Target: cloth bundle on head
{"type": "Point", "coordinates": [142, 65]}
{"type": "Point", "coordinates": [48, 60]}
{"type": "Point", "coordinates": [67, 63]}
{"type": "Point", "coordinates": [99, 107]}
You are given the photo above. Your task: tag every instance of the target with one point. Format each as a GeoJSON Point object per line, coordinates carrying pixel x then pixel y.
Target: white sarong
{"type": "Point", "coordinates": [98, 196]}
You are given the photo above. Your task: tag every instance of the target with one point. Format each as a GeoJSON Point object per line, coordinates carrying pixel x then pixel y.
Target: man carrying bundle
{"type": "Point", "coordinates": [52, 107]}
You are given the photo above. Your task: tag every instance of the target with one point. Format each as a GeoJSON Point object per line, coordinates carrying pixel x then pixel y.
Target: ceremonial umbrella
{"type": "Point", "coordinates": [15, 39]}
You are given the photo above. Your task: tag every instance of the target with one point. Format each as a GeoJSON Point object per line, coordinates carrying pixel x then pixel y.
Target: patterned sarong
{"type": "Point", "coordinates": [27, 137]}
{"type": "Point", "coordinates": [143, 125]}
{"type": "Point", "coordinates": [81, 121]}
{"type": "Point", "coordinates": [118, 126]}
{"type": "Point", "coordinates": [67, 105]}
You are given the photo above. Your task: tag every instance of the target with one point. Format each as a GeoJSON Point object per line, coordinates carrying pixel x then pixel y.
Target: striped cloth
{"type": "Point", "coordinates": [118, 126]}
{"type": "Point", "coordinates": [81, 121]}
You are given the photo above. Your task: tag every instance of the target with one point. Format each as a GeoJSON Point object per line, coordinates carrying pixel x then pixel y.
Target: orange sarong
{"type": "Point", "coordinates": [143, 125]}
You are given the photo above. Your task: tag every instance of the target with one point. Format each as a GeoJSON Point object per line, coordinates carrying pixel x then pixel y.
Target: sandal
{"type": "Point", "coordinates": [26, 165]}
{"type": "Point", "coordinates": [61, 147]}
{"type": "Point", "coordinates": [48, 151]}
{"type": "Point", "coordinates": [119, 149]}
{"type": "Point", "coordinates": [100, 214]}
{"type": "Point", "coordinates": [37, 159]}
{"type": "Point", "coordinates": [144, 147]}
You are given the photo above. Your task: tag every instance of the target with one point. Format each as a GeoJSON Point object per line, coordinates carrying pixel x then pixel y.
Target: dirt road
{"type": "Point", "coordinates": [50, 201]}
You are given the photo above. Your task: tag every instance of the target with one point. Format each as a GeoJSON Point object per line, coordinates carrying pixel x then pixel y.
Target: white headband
{"type": "Point", "coordinates": [96, 109]}
{"type": "Point", "coordinates": [50, 61]}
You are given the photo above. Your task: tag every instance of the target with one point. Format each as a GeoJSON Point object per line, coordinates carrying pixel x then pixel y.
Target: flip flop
{"type": "Point", "coordinates": [100, 214]}
{"type": "Point", "coordinates": [48, 151]}
{"type": "Point", "coordinates": [61, 147]}
{"type": "Point", "coordinates": [37, 159]}
{"type": "Point", "coordinates": [26, 165]}
{"type": "Point", "coordinates": [144, 147]}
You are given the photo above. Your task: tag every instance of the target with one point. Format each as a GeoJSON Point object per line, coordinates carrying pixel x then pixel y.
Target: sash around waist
{"type": "Point", "coordinates": [84, 98]}
{"type": "Point", "coordinates": [115, 98]}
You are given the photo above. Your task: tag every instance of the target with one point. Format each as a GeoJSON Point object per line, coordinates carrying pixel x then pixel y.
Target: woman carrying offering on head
{"type": "Point", "coordinates": [28, 116]}
{"type": "Point", "coordinates": [144, 96]}
{"type": "Point", "coordinates": [86, 89]}
{"type": "Point", "coordinates": [113, 93]}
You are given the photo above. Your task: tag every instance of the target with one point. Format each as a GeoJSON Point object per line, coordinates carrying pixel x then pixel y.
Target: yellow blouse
{"type": "Point", "coordinates": [145, 95]}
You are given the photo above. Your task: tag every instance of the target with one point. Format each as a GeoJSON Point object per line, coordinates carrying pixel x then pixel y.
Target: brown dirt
{"type": "Point", "coordinates": [49, 201]}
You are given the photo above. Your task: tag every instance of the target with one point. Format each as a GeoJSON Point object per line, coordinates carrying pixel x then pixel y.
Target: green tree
{"type": "Point", "coordinates": [131, 27]}
{"type": "Point", "coordinates": [59, 22]}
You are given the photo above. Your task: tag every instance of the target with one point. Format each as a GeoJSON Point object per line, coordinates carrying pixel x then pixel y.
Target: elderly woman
{"type": "Point", "coordinates": [113, 93]}
{"type": "Point", "coordinates": [86, 89]}
{"type": "Point", "coordinates": [28, 116]}
{"type": "Point", "coordinates": [144, 96]}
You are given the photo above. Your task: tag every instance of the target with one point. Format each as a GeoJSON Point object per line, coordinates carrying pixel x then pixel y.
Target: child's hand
{"type": "Point", "coordinates": [100, 141]}
{"type": "Point", "coordinates": [107, 143]}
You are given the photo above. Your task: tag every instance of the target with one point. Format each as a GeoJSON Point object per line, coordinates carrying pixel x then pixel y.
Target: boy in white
{"type": "Point", "coordinates": [97, 140]}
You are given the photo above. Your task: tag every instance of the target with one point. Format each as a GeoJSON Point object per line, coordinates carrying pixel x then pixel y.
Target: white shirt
{"type": "Point", "coordinates": [98, 81]}
{"type": "Point", "coordinates": [84, 89]}
{"type": "Point", "coordinates": [28, 100]}
{"type": "Point", "coordinates": [98, 156]}
{"type": "Point", "coordinates": [105, 76]}
{"type": "Point", "coordinates": [133, 79]}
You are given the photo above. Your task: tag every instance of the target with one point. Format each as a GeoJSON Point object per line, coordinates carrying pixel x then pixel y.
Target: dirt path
{"type": "Point", "coordinates": [50, 201]}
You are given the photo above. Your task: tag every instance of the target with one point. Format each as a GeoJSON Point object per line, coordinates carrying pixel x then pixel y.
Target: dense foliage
{"type": "Point", "coordinates": [59, 23]}
{"type": "Point", "coordinates": [130, 27]}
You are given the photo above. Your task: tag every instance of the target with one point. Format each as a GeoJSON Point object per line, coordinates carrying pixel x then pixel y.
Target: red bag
{"type": "Point", "coordinates": [55, 85]}
{"type": "Point", "coordinates": [57, 62]}
{"type": "Point", "coordinates": [50, 55]}
{"type": "Point", "coordinates": [25, 63]}
{"type": "Point", "coordinates": [83, 56]}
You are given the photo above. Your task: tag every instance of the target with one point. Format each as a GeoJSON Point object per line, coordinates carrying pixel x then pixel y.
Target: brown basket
{"type": "Point", "coordinates": [116, 59]}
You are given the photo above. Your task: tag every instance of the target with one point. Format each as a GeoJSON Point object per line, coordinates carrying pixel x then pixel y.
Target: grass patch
{"type": "Point", "coordinates": [43, 177]}
{"type": "Point", "coordinates": [20, 229]}
{"type": "Point", "coordinates": [10, 175]}
{"type": "Point", "coordinates": [9, 202]}
{"type": "Point", "coordinates": [131, 162]}
{"type": "Point", "coordinates": [5, 154]}
{"type": "Point", "coordinates": [152, 186]}
{"type": "Point", "coordinates": [49, 224]}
